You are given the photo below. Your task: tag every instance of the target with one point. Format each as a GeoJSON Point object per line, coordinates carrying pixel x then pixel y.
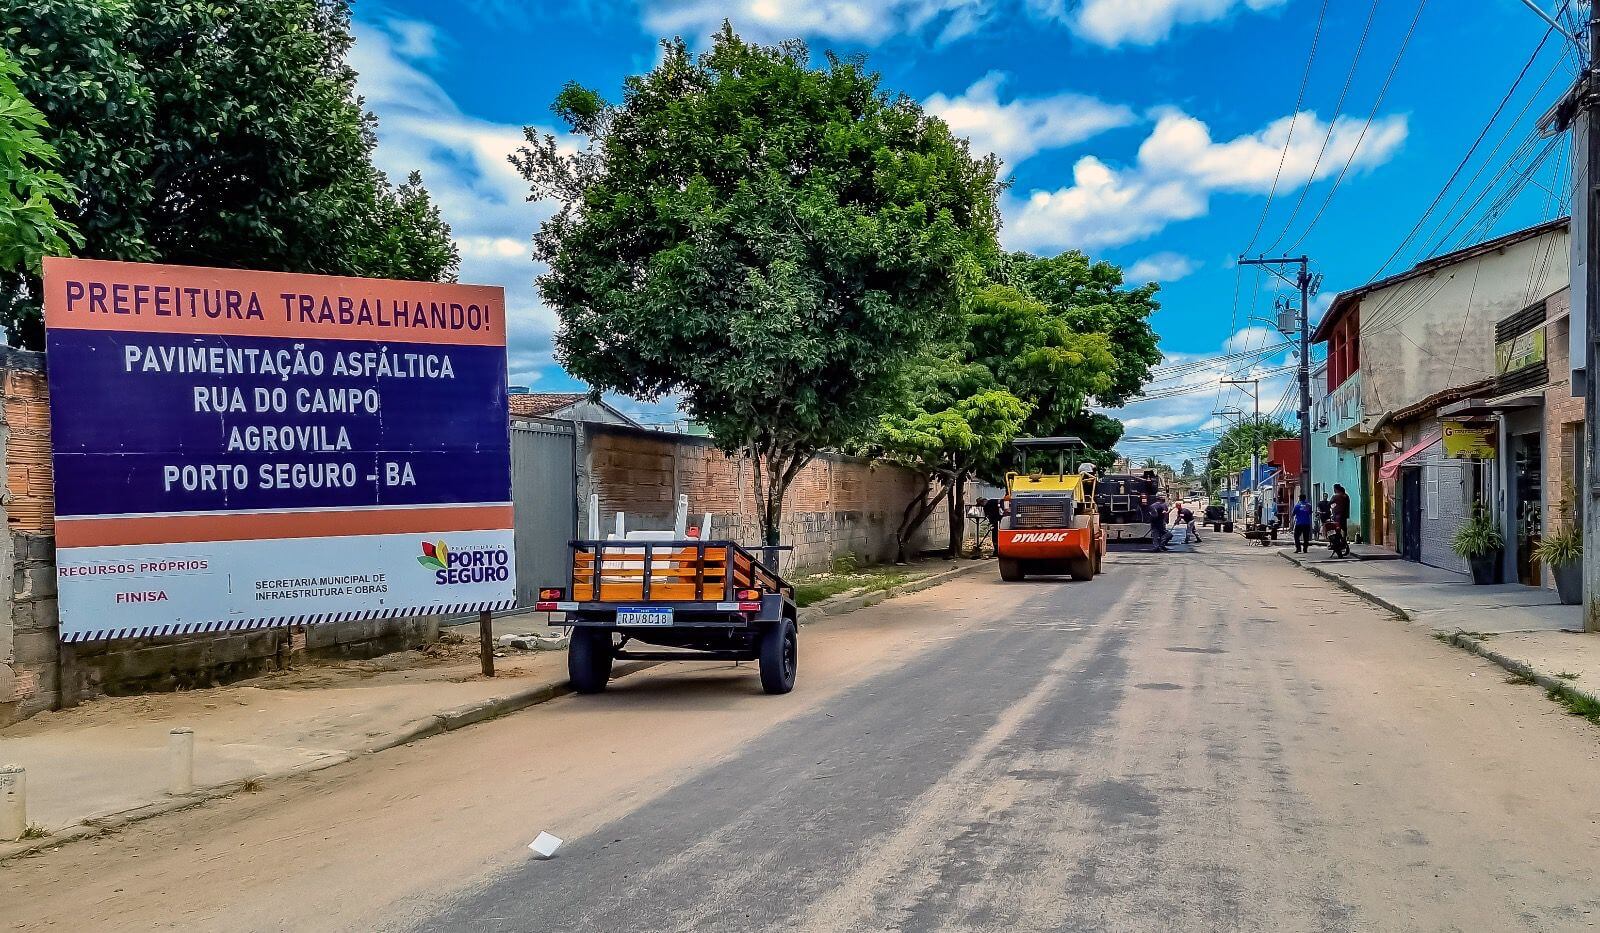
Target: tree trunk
{"type": "Point", "coordinates": [774, 470]}
{"type": "Point", "coordinates": [915, 514]}
{"type": "Point", "coordinates": [958, 512]}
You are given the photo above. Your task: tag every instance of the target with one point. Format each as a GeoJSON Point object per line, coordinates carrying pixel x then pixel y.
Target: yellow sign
{"type": "Point", "coordinates": [1463, 439]}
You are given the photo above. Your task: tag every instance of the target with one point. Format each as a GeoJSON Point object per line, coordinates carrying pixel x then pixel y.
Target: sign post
{"type": "Point", "coordinates": [239, 450]}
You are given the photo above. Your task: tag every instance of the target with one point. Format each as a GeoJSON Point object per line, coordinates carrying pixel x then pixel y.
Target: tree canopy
{"type": "Point", "coordinates": [30, 187]}
{"type": "Point", "coordinates": [1089, 297]}
{"type": "Point", "coordinates": [771, 242]}
{"type": "Point", "coordinates": [1231, 452]}
{"type": "Point", "coordinates": [214, 134]}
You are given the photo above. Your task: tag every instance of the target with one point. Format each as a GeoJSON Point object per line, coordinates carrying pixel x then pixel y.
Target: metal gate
{"type": "Point", "coordinates": [544, 494]}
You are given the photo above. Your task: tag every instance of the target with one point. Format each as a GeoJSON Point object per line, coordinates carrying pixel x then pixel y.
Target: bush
{"type": "Point", "coordinates": [1562, 548]}
{"type": "Point", "coordinates": [1479, 536]}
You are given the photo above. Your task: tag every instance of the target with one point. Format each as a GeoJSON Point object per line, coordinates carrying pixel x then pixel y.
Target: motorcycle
{"type": "Point", "coordinates": [1336, 540]}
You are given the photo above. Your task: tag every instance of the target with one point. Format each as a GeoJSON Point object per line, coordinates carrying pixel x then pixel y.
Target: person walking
{"type": "Point", "coordinates": [1324, 514]}
{"type": "Point", "coordinates": [993, 511]}
{"type": "Point", "coordinates": [1302, 526]}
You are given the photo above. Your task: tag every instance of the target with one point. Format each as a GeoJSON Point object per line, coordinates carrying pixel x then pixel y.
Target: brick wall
{"type": "Point", "coordinates": [38, 673]}
{"type": "Point", "coordinates": [836, 506]}
{"type": "Point", "coordinates": [1563, 424]}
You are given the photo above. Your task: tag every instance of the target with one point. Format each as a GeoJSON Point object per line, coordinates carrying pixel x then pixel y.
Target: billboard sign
{"type": "Point", "coordinates": [1465, 440]}
{"type": "Point", "coordinates": [237, 449]}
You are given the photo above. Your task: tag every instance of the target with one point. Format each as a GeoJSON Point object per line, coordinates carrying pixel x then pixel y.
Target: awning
{"type": "Point", "coordinates": [1390, 469]}
{"type": "Point", "coordinates": [1483, 408]}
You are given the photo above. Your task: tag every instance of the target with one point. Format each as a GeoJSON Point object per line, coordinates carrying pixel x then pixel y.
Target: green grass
{"type": "Point", "coordinates": [1520, 677]}
{"type": "Point", "coordinates": [34, 831]}
{"type": "Point", "coordinates": [1577, 704]}
{"type": "Point", "coordinates": [1568, 675]}
{"type": "Point", "coordinates": [814, 588]}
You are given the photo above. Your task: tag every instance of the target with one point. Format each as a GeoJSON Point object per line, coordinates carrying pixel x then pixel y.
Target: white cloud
{"type": "Point", "coordinates": [1018, 129]}
{"type": "Point", "coordinates": [1140, 22]}
{"type": "Point", "coordinates": [463, 164]}
{"type": "Point", "coordinates": [1179, 166]}
{"type": "Point", "coordinates": [1161, 267]}
{"type": "Point", "coordinates": [865, 21]}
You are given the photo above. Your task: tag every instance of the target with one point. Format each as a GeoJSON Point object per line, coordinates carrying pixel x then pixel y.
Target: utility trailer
{"type": "Point", "coordinates": [699, 599]}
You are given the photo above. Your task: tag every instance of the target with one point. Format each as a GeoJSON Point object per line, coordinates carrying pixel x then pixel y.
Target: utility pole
{"type": "Point", "coordinates": [1255, 436]}
{"type": "Point", "coordinates": [1579, 111]}
{"type": "Point", "coordinates": [1304, 282]}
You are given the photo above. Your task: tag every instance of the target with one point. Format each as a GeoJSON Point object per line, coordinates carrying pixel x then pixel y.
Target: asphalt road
{"type": "Point", "coordinates": [1209, 739]}
{"type": "Point", "coordinates": [1149, 752]}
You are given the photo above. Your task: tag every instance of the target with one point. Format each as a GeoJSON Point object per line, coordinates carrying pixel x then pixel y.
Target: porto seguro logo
{"type": "Point", "coordinates": [465, 565]}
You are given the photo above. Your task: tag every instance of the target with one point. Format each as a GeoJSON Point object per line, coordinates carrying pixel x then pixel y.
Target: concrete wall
{"type": "Point", "coordinates": [1436, 332]}
{"type": "Point", "coordinates": [37, 672]}
{"type": "Point", "coordinates": [837, 505]}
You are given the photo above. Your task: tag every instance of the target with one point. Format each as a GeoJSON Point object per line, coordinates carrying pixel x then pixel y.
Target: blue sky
{"type": "Point", "coordinates": [1152, 133]}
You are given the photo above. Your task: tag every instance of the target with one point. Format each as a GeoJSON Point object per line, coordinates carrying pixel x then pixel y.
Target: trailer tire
{"type": "Point", "coordinates": [589, 657]}
{"type": "Point", "coordinates": [1011, 569]}
{"type": "Point", "coordinates": [780, 656]}
{"type": "Point", "coordinates": [1081, 568]}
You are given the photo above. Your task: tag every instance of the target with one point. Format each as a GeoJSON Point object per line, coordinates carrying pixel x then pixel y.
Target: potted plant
{"type": "Point", "coordinates": [1479, 541]}
{"type": "Point", "coordinates": [1562, 552]}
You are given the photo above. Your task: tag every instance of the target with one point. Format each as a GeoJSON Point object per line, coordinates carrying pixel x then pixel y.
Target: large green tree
{"type": "Point", "coordinates": [208, 133]}
{"type": "Point", "coordinates": [769, 241]}
{"type": "Point", "coordinates": [30, 187]}
{"type": "Point", "coordinates": [1012, 364]}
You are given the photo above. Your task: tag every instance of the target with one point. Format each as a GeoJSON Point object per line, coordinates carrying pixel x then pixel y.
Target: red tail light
{"type": "Point", "coordinates": [747, 595]}
{"type": "Point", "coordinates": [550, 594]}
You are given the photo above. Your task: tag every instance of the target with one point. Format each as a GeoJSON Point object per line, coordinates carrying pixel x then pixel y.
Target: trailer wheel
{"type": "Point", "coordinates": [779, 657]}
{"type": "Point", "coordinates": [589, 656]}
{"type": "Point", "coordinates": [1011, 569]}
{"type": "Point", "coordinates": [1081, 568]}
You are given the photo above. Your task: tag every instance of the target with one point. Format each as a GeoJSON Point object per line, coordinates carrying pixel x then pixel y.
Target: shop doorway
{"type": "Point", "coordinates": [1527, 487]}
{"type": "Point", "coordinates": [1411, 513]}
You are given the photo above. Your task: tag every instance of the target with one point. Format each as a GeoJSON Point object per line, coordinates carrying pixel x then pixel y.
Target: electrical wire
{"type": "Point", "coordinates": [1377, 103]}
{"type": "Point", "coordinates": [1299, 102]}
{"type": "Point", "coordinates": [1456, 173]}
{"type": "Point", "coordinates": [1333, 123]}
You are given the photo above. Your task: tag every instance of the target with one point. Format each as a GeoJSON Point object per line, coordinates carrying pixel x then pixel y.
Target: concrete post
{"type": "Point", "coordinates": [180, 762]}
{"type": "Point", "coordinates": [13, 802]}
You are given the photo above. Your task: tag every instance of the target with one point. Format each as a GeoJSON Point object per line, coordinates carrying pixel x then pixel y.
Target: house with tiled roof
{"type": "Point", "coordinates": [566, 406]}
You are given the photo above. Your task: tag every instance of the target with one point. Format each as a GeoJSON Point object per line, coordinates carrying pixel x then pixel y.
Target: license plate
{"type": "Point", "coordinates": [644, 616]}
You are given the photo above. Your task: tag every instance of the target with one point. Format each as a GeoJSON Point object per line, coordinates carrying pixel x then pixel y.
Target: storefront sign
{"type": "Point", "coordinates": [242, 449]}
{"type": "Point", "coordinates": [1520, 352]}
{"type": "Point", "coordinates": [1470, 439]}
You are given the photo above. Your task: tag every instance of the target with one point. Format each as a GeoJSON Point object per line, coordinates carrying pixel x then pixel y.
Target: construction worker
{"type": "Point", "coordinates": [993, 511]}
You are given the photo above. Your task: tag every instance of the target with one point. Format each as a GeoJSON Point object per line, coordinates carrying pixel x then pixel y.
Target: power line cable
{"type": "Point", "coordinates": [1456, 173]}
{"type": "Point", "coordinates": [1365, 127]}
{"type": "Point", "coordinates": [1288, 141]}
{"type": "Point", "coordinates": [1333, 123]}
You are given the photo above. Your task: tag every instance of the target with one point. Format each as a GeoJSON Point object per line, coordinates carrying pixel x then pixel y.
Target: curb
{"type": "Point", "coordinates": [1467, 643]}
{"type": "Point", "coordinates": [435, 724]}
{"type": "Point", "coordinates": [839, 605]}
{"type": "Point", "coordinates": [1349, 587]}
{"type": "Point", "coordinates": [1554, 685]}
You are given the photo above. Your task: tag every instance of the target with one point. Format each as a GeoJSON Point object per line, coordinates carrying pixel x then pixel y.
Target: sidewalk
{"type": "Point", "coordinates": [104, 764]}
{"type": "Point", "coordinates": [1523, 629]}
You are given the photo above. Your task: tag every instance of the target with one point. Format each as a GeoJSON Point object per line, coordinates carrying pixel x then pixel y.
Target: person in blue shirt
{"type": "Point", "coordinates": [1302, 513]}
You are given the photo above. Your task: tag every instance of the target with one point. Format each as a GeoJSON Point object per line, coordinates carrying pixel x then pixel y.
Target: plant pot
{"type": "Point", "coordinates": [1485, 568]}
{"type": "Point", "coordinates": [1569, 582]}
